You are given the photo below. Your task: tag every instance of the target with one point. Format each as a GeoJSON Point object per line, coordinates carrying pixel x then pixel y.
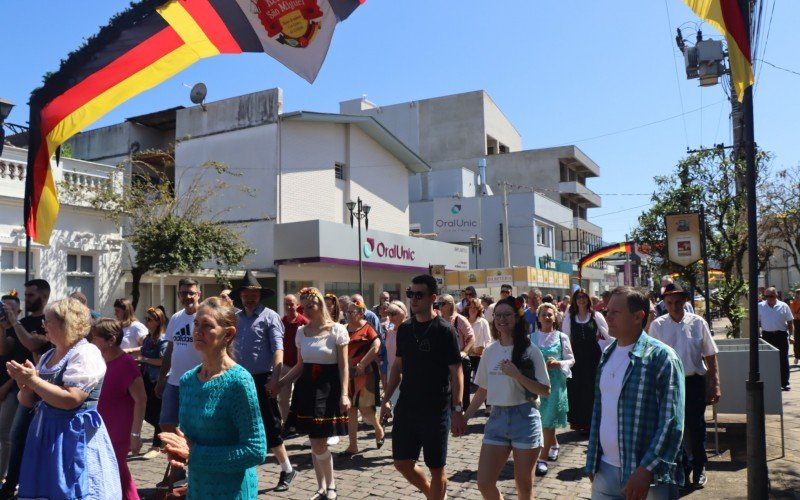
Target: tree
{"type": "Point", "coordinates": [169, 231]}
{"type": "Point", "coordinates": [712, 180]}
{"type": "Point", "coordinates": [781, 208]}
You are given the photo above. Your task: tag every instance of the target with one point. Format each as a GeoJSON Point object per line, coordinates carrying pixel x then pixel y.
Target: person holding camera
{"type": "Point", "coordinates": [510, 378]}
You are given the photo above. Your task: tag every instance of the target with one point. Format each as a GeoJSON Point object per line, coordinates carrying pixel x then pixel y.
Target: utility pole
{"type": "Point", "coordinates": [506, 242]}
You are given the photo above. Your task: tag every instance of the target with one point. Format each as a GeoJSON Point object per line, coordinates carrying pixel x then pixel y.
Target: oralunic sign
{"type": "Point", "coordinates": [456, 219]}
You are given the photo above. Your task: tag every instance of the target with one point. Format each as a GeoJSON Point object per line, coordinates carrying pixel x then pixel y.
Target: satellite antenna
{"type": "Point", "coordinates": [198, 94]}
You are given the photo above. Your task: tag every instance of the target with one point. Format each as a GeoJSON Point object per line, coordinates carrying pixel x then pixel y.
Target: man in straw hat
{"type": "Point", "coordinates": [259, 349]}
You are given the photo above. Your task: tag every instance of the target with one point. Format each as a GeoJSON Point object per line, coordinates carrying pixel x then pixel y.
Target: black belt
{"type": "Point", "coordinates": [774, 331]}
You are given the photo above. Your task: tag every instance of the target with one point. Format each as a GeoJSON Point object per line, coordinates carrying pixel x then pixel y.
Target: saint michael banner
{"type": "Point", "coordinates": [147, 44]}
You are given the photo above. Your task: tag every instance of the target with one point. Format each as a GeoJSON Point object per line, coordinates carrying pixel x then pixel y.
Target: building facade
{"type": "Point", "coordinates": [294, 174]}
{"type": "Point", "coordinates": [86, 248]}
{"type": "Point", "coordinates": [454, 133]}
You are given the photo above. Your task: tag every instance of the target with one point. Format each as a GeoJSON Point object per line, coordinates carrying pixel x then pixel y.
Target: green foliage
{"type": "Point", "coordinates": [714, 181]}
{"type": "Point", "coordinates": [169, 232]}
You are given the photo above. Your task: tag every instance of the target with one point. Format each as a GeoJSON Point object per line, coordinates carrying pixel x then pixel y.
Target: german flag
{"type": "Point", "coordinates": [726, 17]}
{"type": "Point", "coordinates": [147, 44]}
{"type": "Point", "coordinates": [604, 252]}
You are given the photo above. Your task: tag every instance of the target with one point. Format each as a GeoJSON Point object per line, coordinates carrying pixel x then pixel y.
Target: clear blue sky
{"type": "Point", "coordinates": [563, 72]}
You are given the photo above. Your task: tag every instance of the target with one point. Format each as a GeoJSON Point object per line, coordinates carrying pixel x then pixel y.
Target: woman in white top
{"type": "Point", "coordinates": [483, 337]}
{"type": "Point", "coordinates": [557, 352]}
{"type": "Point", "coordinates": [133, 332]}
{"type": "Point", "coordinates": [319, 401]}
{"type": "Point", "coordinates": [588, 336]}
{"type": "Point", "coordinates": [510, 377]}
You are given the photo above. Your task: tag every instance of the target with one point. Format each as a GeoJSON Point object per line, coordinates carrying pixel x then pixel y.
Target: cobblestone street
{"type": "Point", "coordinates": [371, 474]}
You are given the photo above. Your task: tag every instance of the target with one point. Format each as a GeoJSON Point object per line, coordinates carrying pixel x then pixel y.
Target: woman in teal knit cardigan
{"type": "Point", "coordinates": [222, 438]}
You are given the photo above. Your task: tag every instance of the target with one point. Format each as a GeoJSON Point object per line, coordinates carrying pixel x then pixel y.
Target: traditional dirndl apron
{"type": "Point", "coordinates": [70, 447]}
{"type": "Point", "coordinates": [315, 408]}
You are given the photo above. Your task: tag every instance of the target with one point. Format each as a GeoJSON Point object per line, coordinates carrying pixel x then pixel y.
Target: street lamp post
{"type": "Point", "coordinates": [359, 211]}
{"type": "Point", "coordinates": [5, 109]}
{"type": "Point", "coordinates": [475, 243]}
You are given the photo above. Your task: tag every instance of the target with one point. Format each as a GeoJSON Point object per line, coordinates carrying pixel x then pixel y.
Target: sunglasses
{"type": "Point", "coordinates": [415, 295]}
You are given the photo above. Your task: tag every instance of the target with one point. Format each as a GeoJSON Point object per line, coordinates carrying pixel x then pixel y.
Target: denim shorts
{"type": "Point", "coordinates": [170, 401]}
{"type": "Point", "coordinates": [516, 426]}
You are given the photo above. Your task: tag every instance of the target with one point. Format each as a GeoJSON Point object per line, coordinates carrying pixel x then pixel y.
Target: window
{"type": "Point", "coordinates": [541, 235]}
{"type": "Point", "coordinates": [343, 288]}
{"type": "Point", "coordinates": [294, 287]}
{"type": "Point", "coordinates": [12, 271]}
{"type": "Point", "coordinates": [338, 170]}
{"type": "Point", "coordinates": [81, 276]}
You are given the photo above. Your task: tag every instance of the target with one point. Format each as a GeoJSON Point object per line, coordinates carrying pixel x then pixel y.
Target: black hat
{"type": "Point", "coordinates": [249, 282]}
{"type": "Point", "coordinates": [673, 289]}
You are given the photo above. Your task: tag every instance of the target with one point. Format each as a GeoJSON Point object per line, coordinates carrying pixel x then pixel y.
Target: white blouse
{"type": "Point", "coordinates": [602, 327]}
{"type": "Point", "coordinates": [543, 340]}
{"type": "Point", "coordinates": [483, 335]}
{"type": "Point", "coordinates": [322, 349]}
{"type": "Point", "coordinates": [133, 335]}
{"type": "Point", "coordinates": [85, 367]}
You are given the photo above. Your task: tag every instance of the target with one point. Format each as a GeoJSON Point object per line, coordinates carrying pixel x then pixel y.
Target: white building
{"type": "Point", "coordinates": [85, 250]}
{"type": "Point", "coordinates": [298, 170]}
{"type": "Point", "coordinates": [453, 133]}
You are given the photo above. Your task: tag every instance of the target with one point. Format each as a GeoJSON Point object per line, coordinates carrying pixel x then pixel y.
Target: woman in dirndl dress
{"type": "Point", "coordinates": [320, 402]}
{"type": "Point", "coordinates": [558, 357]}
{"type": "Point", "coordinates": [67, 440]}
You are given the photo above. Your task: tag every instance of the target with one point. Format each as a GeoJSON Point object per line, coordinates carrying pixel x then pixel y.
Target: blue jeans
{"type": "Point", "coordinates": [19, 433]}
{"type": "Point", "coordinates": [607, 486]}
{"type": "Point", "coordinates": [516, 426]}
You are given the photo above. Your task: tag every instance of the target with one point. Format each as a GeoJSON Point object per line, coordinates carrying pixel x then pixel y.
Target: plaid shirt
{"type": "Point", "coordinates": [649, 414]}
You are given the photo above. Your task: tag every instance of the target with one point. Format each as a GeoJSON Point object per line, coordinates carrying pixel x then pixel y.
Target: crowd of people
{"type": "Point", "coordinates": [225, 380]}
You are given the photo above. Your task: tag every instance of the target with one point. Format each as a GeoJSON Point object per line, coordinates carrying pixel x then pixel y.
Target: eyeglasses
{"type": "Point", "coordinates": [415, 295]}
{"type": "Point", "coordinates": [771, 296]}
{"type": "Point", "coordinates": [188, 294]}
{"type": "Point", "coordinates": [150, 318]}
{"type": "Point", "coordinates": [504, 316]}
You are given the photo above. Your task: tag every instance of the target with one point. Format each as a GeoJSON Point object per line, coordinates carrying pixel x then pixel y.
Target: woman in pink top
{"type": "Point", "coordinates": [122, 400]}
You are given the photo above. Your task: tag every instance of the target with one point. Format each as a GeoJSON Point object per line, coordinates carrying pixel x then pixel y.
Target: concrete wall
{"type": "Point", "coordinates": [442, 184]}
{"type": "Point", "coordinates": [309, 189]}
{"type": "Point", "coordinates": [111, 145]}
{"type": "Point", "coordinates": [498, 126]}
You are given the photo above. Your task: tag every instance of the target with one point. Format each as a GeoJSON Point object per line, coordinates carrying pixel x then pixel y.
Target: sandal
{"type": "Point", "coordinates": [327, 495]}
{"type": "Point", "coordinates": [379, 442]}
{"type": "Point", "coordinates": [553, 454]}
{"type": "Point", "coordinates": [346, 453]}
{"type": "Point", "coordinates": [320, 495]}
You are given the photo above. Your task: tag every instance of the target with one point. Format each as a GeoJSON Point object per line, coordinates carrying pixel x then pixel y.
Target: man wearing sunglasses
{"type": "Point", "coordinates": [428, 369]}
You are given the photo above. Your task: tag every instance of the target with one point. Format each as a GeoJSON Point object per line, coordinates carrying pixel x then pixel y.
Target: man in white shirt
{"type": "Point", "coordinates": [181, 356]}
{"type": "Point", "coordinates": [775, 318]}
{"type": "Point", "coordinates": [688, 334]}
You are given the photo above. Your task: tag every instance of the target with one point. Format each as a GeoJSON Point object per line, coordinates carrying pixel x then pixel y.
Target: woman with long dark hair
{"type": "Point", "coordinates": [511, 376]}
{"type": "Point", "coordinates": [588, 334]}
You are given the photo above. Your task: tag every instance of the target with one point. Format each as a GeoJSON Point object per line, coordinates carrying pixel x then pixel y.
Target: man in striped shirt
{"type": "Point", "coordinates": [637, 422]}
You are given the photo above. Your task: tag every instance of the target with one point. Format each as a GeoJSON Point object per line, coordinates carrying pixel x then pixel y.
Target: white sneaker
{"type": "Point", "coordinates": [541, 468]}
{"type": "Point", "coordinates": [553, 454]}
{"type": "Point", "coordinates": [332, 440]}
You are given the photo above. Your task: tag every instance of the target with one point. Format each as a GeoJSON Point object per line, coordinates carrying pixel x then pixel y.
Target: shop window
{"type": "Point", "coordinates": [344, 288]}
{"type": "Point", "coordinates": [81, 276]}
{"type": "Point", "coordinates": [294, 287]}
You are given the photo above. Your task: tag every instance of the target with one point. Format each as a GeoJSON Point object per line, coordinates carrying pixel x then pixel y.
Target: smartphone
{"type": "Point", "coordinates": [437, 305]}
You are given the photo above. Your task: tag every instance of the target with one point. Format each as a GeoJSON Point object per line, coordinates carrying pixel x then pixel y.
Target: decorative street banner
{"type": "Point", "coordinates": [456, 219]}
{"type": "Point", "coordinates": [683, 238]}
{"type": "Point", "coordinates": [147, 44]}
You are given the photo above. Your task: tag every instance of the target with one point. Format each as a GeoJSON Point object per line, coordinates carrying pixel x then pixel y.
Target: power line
{"type": "Point", "coordinates": [622, 131]}
{"type": "Point", "coordinates": [677, 77]}
{"type": "Point", "coordinates": [780, 68]}
{"type": "Point", "coordinates": [623, 210]}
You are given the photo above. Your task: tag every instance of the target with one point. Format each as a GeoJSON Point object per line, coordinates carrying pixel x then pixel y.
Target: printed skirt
{"type": "Point", "coordinates": [315, 408]}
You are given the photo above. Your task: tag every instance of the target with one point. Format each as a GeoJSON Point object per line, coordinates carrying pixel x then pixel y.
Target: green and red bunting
{"type": "Point", "coordinates": [147, 44]}
{"type": "Point", "coordinates": [604, 252]}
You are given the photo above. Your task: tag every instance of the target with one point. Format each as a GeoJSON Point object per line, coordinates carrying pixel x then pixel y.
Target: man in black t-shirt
{"type": "Point", "coordinates": [428, 369]}
{"type": "Point", "coordinates": [28, 335]}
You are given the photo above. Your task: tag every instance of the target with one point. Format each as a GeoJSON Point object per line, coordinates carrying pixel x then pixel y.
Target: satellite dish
{"type": "Point", "coordinates": [198, 94]}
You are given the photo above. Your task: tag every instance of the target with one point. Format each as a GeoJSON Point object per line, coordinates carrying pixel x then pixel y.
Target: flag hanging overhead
{"type": "Point", "coordinates": [604, 252]}
{"type": "Point", "coordinates": [147, 44]}
{"type": "Point", "coordinates": [726, 16]}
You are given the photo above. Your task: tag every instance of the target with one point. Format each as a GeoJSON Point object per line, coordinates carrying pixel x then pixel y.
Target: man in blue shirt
{"type": "Point", "coordinates": [259, 349]}
{"type": "Point", "coordinates": [532, 303]}
{"type": "Point", "coordinates": [638, 414]}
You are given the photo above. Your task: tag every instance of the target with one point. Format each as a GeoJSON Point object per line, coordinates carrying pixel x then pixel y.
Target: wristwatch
{"type": "Point", "coordinates": [458, 409]}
